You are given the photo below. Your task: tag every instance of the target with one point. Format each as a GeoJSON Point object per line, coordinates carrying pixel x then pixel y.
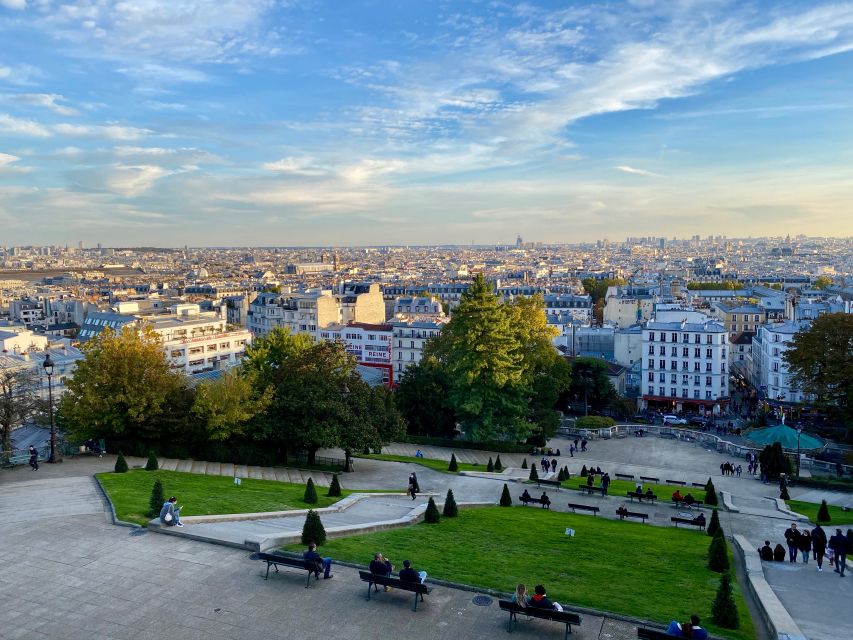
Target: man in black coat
{"type": "Point", "coordinates": [838, 544]}
{"type": "Point", "coordinates": [766, 552]}
{"type": "Point", "coordinates": [819, 545]}
{"type": "Point", "coordinates": [792, 537]}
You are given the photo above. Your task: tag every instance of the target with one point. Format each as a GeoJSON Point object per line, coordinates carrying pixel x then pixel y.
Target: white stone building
{"type": "Point", "coordinates": [768, 369]}
{"type": "Point", "coordinates": [369, 343]}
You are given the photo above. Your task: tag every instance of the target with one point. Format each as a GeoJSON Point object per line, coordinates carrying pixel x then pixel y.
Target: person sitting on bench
{"type": "Point", "coordinates": [311, 556]}
{"type": "Point", "coordinates": [520, 596]}
{"type": "Point", "coordinates": [622, 510]}
{"type": "Point", "coordinates": [690, 629]}
{"type": "Point", "coordinates": [677, 495]}
{"type": "Point", "coordinates": [590, 479]}
{"type": "Point", "coordinates": [407, 574]}
{"type": "Point", "coordinates": [381, 567]}
{"type": "Point", "coordinates": [766, 552]}
{"type": "Point", "coordinates": [639, 488]}
{"type": "Point", "coordinates": [545, 500]}
{"type": "Point", "coordinates": [540, 600]}
{"type": "Point", "coordinates": [650, 494]}
{"type": "Point", "coordinates": [525, 497]}
{"type": "Point", "coordinates": [689, 499]}
{"type": "Point", "coordinates": [700, 519]}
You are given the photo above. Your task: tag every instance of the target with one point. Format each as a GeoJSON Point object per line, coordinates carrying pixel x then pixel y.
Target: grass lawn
{"type": "Point", "coordinates": [432, 463]}
{"type": "Point", "coordinates": [654, 573]}
{"type": "Point", "coordinates": [202, 495]}
{"type": "Point", "coordinates": [809, 509]}
{"type": "Point", "coordinates": [622, 487]}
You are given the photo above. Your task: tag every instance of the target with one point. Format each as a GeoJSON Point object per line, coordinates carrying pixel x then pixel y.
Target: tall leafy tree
{"type": "Point", "coordinates": [19, 400]}
{"type": "Point", "coordinates": [225, 405]}
{"type": "Point", "coordinates": [590, 383]}
{"type": "Point", "coordinates": [422, 397]}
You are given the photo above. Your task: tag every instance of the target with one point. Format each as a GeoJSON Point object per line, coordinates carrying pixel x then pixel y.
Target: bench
{"type": "Point", "coordinates": [590, 489]}
{"type": "Point", "coordinates": [584, 507]}
{"type": "Point", "coordinates": [274, 560]}
{"type": "Point", "coordinates": [652, 634]}
{"type": "Point", "coordinates": [524, 501]}
{"type": "Point", "coordinates": [566, 617]}
{"type": "Point", "coordinates": [631, 514]}
{"type": "Point", "coordinates": [678, 521]}
{"type": "Point", "coordinates": [679, 502]}
{"type": "Point", "coordinates": [549, 483]}
{"type": "Point", "coordinates": [641, 496]}
{"type": "Point", "coordinates": [701, 485]}
{"type": "Point", "coordinates": [374, 580]}
{"type": "Point", "coordinates": [648, 479]}
{"type": "Point", "coordinates": [624, 476]}
{"type": "Point", "coordinates": [678, 482]}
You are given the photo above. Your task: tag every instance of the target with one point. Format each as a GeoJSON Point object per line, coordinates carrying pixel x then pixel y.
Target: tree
{"type": "Point", "coordinates": [711, 494]}
{"type": "Point", "coordinates": [431, 515]}
{"type": "Point", "coordinates": [310, 493]}
{"type": "Point", "coordinates": [121, 464]}
{"type": "Point", "coordinates": [313, 530]}
{"type": "Point", "coordinates": [490, 467]}
{"type": "Point", "coordinates": [597, 288]}
{"type": "Point", "coordinates": [152, 464]}
{"type": "Point", "coordinates": [422, 397]}
{"type": "Point", "coordinates": [725, 285]}
{"type": "Point", "coordinates": [334, 487]}
{"type": "Point", "coordinates": [822, 282]}
{"type": "Point", "coordinates": [590, 383]}
{"type": "Point", "coordinates": [524, 464]}
{"type": "Point", "coordinates": [450, 508]}
{"type": "Point", "coordinates": [584, 472]}
{"type": "Point", "coordinates": [226, 404]}
{"type": "Point", "coordinates": [155, 502]}
{"type": "Point", "coordinates": [773, 460]}
{"type": "Point", "coordinates": [534, 475]}
{"type": "Point", "coordinates": [718, 557]}
{"type": "Point", "coordinates": [724, 610]}
{"type": "Point", "coordinates": [498, 464]}
{"type": "Point", "coordinates": [506, 499]}
{"type": "Point", "coordinates": [19, 399]}
{"type": "Point", "coordinates": [372, 419]}
{"type": "Point", "coordinates": [453, 466]}
{"type": "Point", "coordinates": [820, 360]}
{"type": "Point", "coordinates": [714, 523]}
{"type": "Point", "coordinates": [783, 489]}
{"type": "Point", "coordinates": [823, 512]}
{"type": "Point", "coordinates": [122, 387]}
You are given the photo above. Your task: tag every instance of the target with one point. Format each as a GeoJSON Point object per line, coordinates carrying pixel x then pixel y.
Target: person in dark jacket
{"type": "Point", "coordinates": [317, 561]}
{"type": "Point", "coordinates": [766, 552]}
{"type": "Point", "coordinates": [380, 566]}
{"type": "Point", "coordinates": [819, 545]}
{"type": "Point", "coordinates": [792, 537]}
{"type": "Point", "coordinates": [590, 479]}
{"type": "Point", "coordinates": [779, 553]}
{"type": "Point", "coordinates": [540, 599]}
{"type": "Point", "coordinates": [805, 545]}
{"type": "Point", "coordinates": [407, 574]}
{"type": "Point", "coordinates": [838, 544]}
{"type": "Point", "coordinates": [34, 458]}
{"type": "Point", "coordinates": [605, 482]}
{"type": "Point", "coordinates": [545, 501]}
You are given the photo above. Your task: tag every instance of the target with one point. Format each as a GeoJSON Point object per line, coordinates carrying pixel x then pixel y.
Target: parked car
{"type": "Point", "coordinates": [698, 421]}
{"type": "Point", "coordinates": [670, 419]}
{"type": "Point", "coordinates": [643, 418]}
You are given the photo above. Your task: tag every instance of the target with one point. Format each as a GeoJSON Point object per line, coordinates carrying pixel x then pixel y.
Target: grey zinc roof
{"type": "Point", "coordinates": [707, 327]}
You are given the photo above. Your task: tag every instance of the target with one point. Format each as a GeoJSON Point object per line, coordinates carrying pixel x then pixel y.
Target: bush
{"type": "Point", "coordinates": [524, 464]}
{"type": "Point", "coordinates": [718, 557]}
{"type": "Point", "coordinates": [584, 472]}
{"type": "Point", "coordinates": [823, 512]}
{"type": "Point", "coordinates": [152, 464]}
{"type": "Point", "coordinates": [560, 475]}
{"type": "Point", "coordinates": [453, 466]}
{"type": "Point", "coordinates": [711, 494]}
{"type": "Point", "coordinates": [534, 475]}
{"type": "Point", "coordinates": [499, 466]}
{"type": "Point", "coordinates": [774, 461]}
{"type": "Point", "coordinates": [155, 502]}
{"type": "Point", "coordinates": [490, 467]}
{"type": "Point", "coordinates": [310, 493]}
{"type": "Point", "coordinates": [432, 516]}
{"type": "Point", "coordinates": [714, 523]}
{"type": "Point", "coordinates": [783, 489]}
{"type": "Point", "coordinates": [121, 463]}
{"type": "Point", "coordinates": [485, 445]}
{"type": "Point", "coordinates": [724, 611]}
{"type": "Point", "coordinates": [826, 483]}
{"type": "Point", "coordinates": [594, 422]}
{"type": "Point", "coordinates": [313, 529]}
{"type": "Point", "coordinates": [450, 508]}
{"type": "Point", "coordinates": [506, 499]}
{"type": "Point", "coordinates": [334, 487]}
{"type": "Point", "coordinates": [568, 476]}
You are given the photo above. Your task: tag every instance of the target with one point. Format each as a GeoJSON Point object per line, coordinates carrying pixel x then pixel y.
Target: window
{"type": "Point", "coordinates": [685, 337]}
{"type": "Point", "coordinates": [695, 366]}
{"type": "Point", "coordinates": [696, 393]}
{"type": "Point", "coordinates": [708, 380]}
{"type": "Point", "coordinates": [662, 336]}
{"type": "Point", "coordinates": [775, 366]}
{"type": "Point", "coordinates": [661, 377]}
{"type": "Point", "coordinates": [674, 337]}
{"type": "Point", "coordinates": [673, 364]}
{"type": "Point", "coordinates": [651, 349]}
{"type": "Point", "coordinates": [651, 376]}
{"type": "Point", "coordinates": [697, 339]}
{"type": "Point", "coordinates": [662, 351]}
{"type": "Point", "coordinates": [662, 390]}
{"type": "Point", "coordinates": [651, 336]}
{"type": "Point", "coordinates": [734, 328]}
{"type": "Point", "coordinates": [685, 365]}
{"type": "Point", "coordinates": [673, 392]}
{"type": "Point", "coordinates": [696, 380]}
{"type": "Point", "coordinates": [708, 366]}
{"type": "Point", "coordinates": [697, 353]}
{"type": "Point", "coordinates": [685, 352]}
{"type": "Point", "coordinates": [707, 395]}
{"type": "Point", "coordinates": [662, 364]}
{"type": "Point", "coordinates": [684, 393]}
{"type": "Point", "coordinates": [685, 380]}
{"type": "Point", "coordinates": [775, 352]}
{"type": "Point", "coordinates": [673, 378]}
{"type": "Point", "coordinates": [709, 339]}
{"type": "Point", "coordinates": [651, 364]}
{"type": "Point", "coordinates": [756, 318]}
{"type": "Point", "coordinates": [709, 353]}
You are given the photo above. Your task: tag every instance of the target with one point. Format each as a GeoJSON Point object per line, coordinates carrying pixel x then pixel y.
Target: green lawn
{"type": "Point", "coordinates": [809, 509]}
{"type": "Point", "coordinates": [654, 573]}
{"type": "Point", "coordinates": [201, 495]}
{"type": "Point", "coordinates": [622, 487]}
{"type": "Point", "coordinates": [431, 463]}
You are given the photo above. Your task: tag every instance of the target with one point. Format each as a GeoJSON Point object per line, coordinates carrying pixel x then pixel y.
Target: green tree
{"type": "Point", "coordinates": [431, 515]}
{"type": "Point", "coordinates": [152, 464]}
{"type": "Point", "coordinates": [823, 512]}
{"type": "Point", "coordinates": [524, 463]}
{"type": "Point", "coordinates": [334, 487]}
{"type": "Point", "coordinates": [453, 466]}
{"type": "Point", "coordinates": [310, 492]}
{"type": "Point", "coordinates": [19, 400]}
{"type": "Point", "coordinates": [725, 285]}
{"type": "Point", "coordinates": [773, 460]}
{"type": "Point", "coordinates": [534, 475]}
{"type": "Point", "coordinates": [372, 419]}
{"type": "Point", "coordinates": [724, 610]}
{"type": "Point", "coordinates": [121, 464]}
{"type": "Point", "coordinates": [122, 387]}
{"type": "Point", "coordinates": [711, 494]}
{"type": "Point", "coordinates": [783, 489]}
{"type": "Point", "coordinates": [713, 523]}
{"type": "Point", "coordinates": [820, 361]}
{"type": "Point", "coordinates": [498, 464]}
{"type": "Point", "coordinates": [584, 471]}
{"type": "Point", "coordinates": [422, 397]}
{"type": "Point", "coordinates": [597, 288]}
{"type": "Point", "coordinates": [822, 282]}
{"type": "Point", "coordinates": [506, 499]}
{"type": "Point", "coordinates": [718, 557]}
{"type": "Point", "coordinates": [155, 502]}
{"type": "Point", "coordinates": [451, 510]}
{"type": "Point", "coordinates": [313, 529]}
{"type": "Point", "coordinates": [227, 404]}
{"type": "Point", "coordinates": [591, 384]}
{"type": "Point", "coordinates": [490, 467]}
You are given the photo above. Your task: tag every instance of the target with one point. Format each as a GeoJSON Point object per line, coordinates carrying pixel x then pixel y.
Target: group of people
{"type": "Point", "coordinates": [536, 451]}
{"type": "Point", "coordinates": [548, 466]}
{"type": "Point", "coordinates": [603, 481]}
{"type": "Point", "coordinates": [544, 500]}
{"type": "Point", "coordinates": [803, 543]}
{"type": "Point", "coordinates": [381, 566]}
{"type": "Point", "coordinates": [686, 499]}
{"type": "Point", "coordinates": [729, 469]}
{"type": "Point", "coordinates": [539, 599]}
{"type": "Point", "coordinates": [689, 629]}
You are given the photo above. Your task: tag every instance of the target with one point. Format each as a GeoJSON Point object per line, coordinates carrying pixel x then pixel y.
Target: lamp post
{"type": "Point", "coordinates": [48, 370]}
{"type": "Point", "coordinates": [799, 432]}
{"type": "Point", "coordinates": [347, 453]}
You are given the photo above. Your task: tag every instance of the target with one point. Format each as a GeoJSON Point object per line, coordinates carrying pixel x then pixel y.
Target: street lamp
{"type": "Point", "coordinates": [48, 370]}
{"type": "Point", "coordinates": [799, 431]}
{"type": "Point", "coordinates": [348, 467]}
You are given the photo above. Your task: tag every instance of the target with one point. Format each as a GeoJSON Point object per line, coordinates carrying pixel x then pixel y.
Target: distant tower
{"type": "Point", "coordinates": [519, 241]}
{"type": "Point", "coordinates": [336, 262]}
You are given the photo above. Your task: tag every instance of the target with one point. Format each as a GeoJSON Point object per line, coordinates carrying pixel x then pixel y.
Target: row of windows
{"type": "Point", "coordinates": [673, 365]}
{"type": "Point", "coordinates": [685, 379]}
{"type": "Point", "coordinates": [685, 351]}
{"type": "Point", "coordinates": [685, 393]}
{"type": "Point", "coordinates": [685, 337]}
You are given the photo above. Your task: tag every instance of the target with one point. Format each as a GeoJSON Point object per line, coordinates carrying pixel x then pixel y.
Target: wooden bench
{"type": "Point", "coordinates": [680, 502]}
{"type": "Point", "coordinates": [641, 496]}
{"type": "Point", "coordinates": [624, 476]}
{"type": "Point", "coordinates": [590, 489]}
{"type": "Point", "coordinates": [565, 617]}
{"type": "Point", "coordinates": [652, 634]}
{"type": "Point", "coordinates": [678, 482]}
{"type": "Point", "coordinates": [701, 485]}
{"type": "Point", "coordinates": [648, 479]}
{"type": "Point", "coordinates": [678, 521]}
{"type": "Point", "coordinates": [275, 560]}
{"type": "Point", "coordinates": [524, 501]}
{"type": "Point", "coordinates": [584, 507]}
{"type": "Point", "coordinates": [373, 580]}
{"type": "Point", "coordinates": [631, 514]}
{"type": "Point", "coordinates": [549, 483]}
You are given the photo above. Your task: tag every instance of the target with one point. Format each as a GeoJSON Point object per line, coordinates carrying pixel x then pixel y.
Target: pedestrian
{"type": "Point", "coordinates": [571, 451]}
{"type": "Point", "coordinates": [554, 465]}
{"type": "Point", "coordinates": [583, 445]}
{"type": "Point", "coordinates": [838, 545]}
{"type": "Point", "coordinates": [818, 545]}
{"type": "Point", "coordinates": [413, 486]}
{"type": "Point", "coordinates": [576, 443]}
{"type": "Point", "coordinates": [805, 545]}
{"type": "Point", "coordinates": [792, 537]}
{"type": "Point", "coordinates": [722, 468]}
{"type": "Point", "coordinates": [739, 470]}
{"type": "Point", "coordinates": [605, 482]}
{"type": "Point", "coordinates": [34, 458]}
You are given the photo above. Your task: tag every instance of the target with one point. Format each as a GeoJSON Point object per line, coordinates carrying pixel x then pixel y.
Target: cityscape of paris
{"type": "Point", "coordinates": [441, 319]}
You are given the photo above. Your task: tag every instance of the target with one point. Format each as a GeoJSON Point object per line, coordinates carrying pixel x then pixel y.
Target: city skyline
{"type": "Point", "coordinates": [249, 123]}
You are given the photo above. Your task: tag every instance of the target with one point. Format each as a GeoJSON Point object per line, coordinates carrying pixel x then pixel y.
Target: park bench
{"type": "Point", "coordinates": [649, 479]}
{"type": "Point", "coordinates": [374, 581]}
{"type": "Point", "coordinates": [641, 496]}
{"type": "Point", "coordinates": [624, 476]}
{"type": "Point", "coordinates": [693, 522]}
{"type": "Point", "coordinates": [566, 617]}
{"type": "Point", "coordinates": [701, 485]}
{"type": "Point", "coordinates": [524, 501]}
{"type": "Point", "coordinates": [680, 502]}
{"type": "Point", "coordinates": [275, 560]}
{"type": "Point", "coordinates": [652, 634]}
{"type": "Point", "coordinates": [549, 483]}
{"type": "Point", "coordinates": [631, 514]}
{"type": "Point", "coordinates": [584, 507]}
{"type": "Point", "coordinates": [681, 483]}
{"type": "Point", "coordinates": [590, 489]}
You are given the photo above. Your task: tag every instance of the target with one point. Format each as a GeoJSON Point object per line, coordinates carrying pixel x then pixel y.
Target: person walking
{"type": "Point", "coordinates": [605, 482]}
{"type": "Point", "coordinates": [838, 545]}
{"type": "Point", "coordinates": [413, 486]}
{"type": "Point", "coordinates": [34, 458]}
{"type": "Point", "coordinates": [792, 538]}
{"type": "Point", "coordinates": [583, 445]}
{"type": "Point", "coordinates": [819, 545]}
{"type": "Point", "coordinates": [805, 545]}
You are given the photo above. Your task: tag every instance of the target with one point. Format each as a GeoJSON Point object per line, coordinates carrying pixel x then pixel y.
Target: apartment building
{"type": "Point", "coordinates": [739, 318]}
{"type": "Point", "coordinates": [768, 370]}
{"type": "Point", "coordinates": [371, 344]}
{"type": "Point", "coordinates": [409, 337]}
{"type": "Point", "coordinates": [578, 307]}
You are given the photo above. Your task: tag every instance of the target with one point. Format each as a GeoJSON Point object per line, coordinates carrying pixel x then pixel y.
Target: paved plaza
{"type": "Point", "coordinates": [69, 573]}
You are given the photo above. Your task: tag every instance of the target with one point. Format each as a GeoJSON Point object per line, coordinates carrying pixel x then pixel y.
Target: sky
{"type": "Point", "coordinates": [362, 122]}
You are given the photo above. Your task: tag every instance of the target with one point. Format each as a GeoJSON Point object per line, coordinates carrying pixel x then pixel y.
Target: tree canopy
{"type": "Point", "coordinates": [590, 383]}
{"type": "Point", "coordinates": [725, 285]}
{"type": "Point", "coordinates": [19, 400]}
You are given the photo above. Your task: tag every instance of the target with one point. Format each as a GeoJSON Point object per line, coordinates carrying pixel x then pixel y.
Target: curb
{"type": "Point", "coordinates": [783, 508]}
{"type": "Point", "coordinates": [727, 502]}
{"type": "Point", "coordinates": [113, 516]}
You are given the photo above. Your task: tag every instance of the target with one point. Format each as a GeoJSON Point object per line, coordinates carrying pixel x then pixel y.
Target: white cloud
{"type": "Point", "coordinates": [301, 166]}
{"type": "Point", "coordinates": [109, 131]}
{"type": "Point", "coordinates": [133, 180]}
{"type": "Point", "coordinates": [369, 168]}
{"type": "Point", "coordinates": [20, 126]}
{"type": "Point", "coordinates": [639, 172]}
{"type": "Point", "coordinates": [47, 100]}
{"type": "Point", "coordinates": [7, 164]}
{"type": "Point", "coordinates": [14, 4]}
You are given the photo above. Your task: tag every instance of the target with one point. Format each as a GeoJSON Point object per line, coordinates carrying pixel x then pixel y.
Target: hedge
{"type": "Point", "coordinates": [594, 422]}
{"type": "Point", "coordinates": [485, 445]}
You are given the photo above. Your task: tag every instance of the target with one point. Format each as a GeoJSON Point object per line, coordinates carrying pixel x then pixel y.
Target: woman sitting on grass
{"type": "Point", "coordinates": [690, 629]}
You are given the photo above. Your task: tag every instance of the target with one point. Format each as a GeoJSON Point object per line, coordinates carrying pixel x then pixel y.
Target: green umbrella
{"type": "Point", "coordinates": [785, 435]}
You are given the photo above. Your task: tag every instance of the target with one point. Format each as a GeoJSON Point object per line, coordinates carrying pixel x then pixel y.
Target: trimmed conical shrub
{"type": "Point", "coordinates": [713, 523]}
{"type": "Point", "coordinates": [152, 464]}
{"type": "Point", "coordinates": [310, 493]}
{"type": "Point", "coordinates": [313, 529]}
{"type": "Point", "coordinates": [718, 557]}
{"type": "Point", "coordinates": [560, 475]}
{"type": "Point", "coordinates": [584, 472]}
{"type": "Point", "coordinates": [723, 610]}
{"type": "Point", "coordinates": [432, 515]}
{"type": "Point", "coordinates": [823, 512]}
{"type": "Point", "coordinates": [534, 475]}
{"type": "Point", "coordinates": [121, 463]}
{"type": "Point", "coordinates": [506, 499]}
{"type": "Point", "coordinates": [499, 466]}
{"type": "Point", "coordinates": [453, 466]}
{"type": "Point", "coordinates": [566, 473]}
{"type": "Point", "coordinates": [490, 466]}
{"type": "Point", "coordinates": [524, 464]}
{"type": "Point", "coordinates": [783, 489]}
{"type": "Point", "coordinates": [711, 494]}
{"type": "Point", "coordinates": [334, 487]}
{"type": "Point", "coordinates": [450, 508]}
{"type": "Point", "coordinates": [155, 502]}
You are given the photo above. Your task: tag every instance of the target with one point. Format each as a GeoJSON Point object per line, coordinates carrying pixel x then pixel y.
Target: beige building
{"type": "Point", "coordinates": [627, 310]}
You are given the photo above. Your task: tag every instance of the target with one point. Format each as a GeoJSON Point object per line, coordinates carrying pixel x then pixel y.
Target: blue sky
{"type": "Point", "coordinates": [286, 122]}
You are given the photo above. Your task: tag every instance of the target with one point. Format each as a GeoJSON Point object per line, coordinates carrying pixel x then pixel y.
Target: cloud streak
{"type": "Point", "coordinates": [624, 168]}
